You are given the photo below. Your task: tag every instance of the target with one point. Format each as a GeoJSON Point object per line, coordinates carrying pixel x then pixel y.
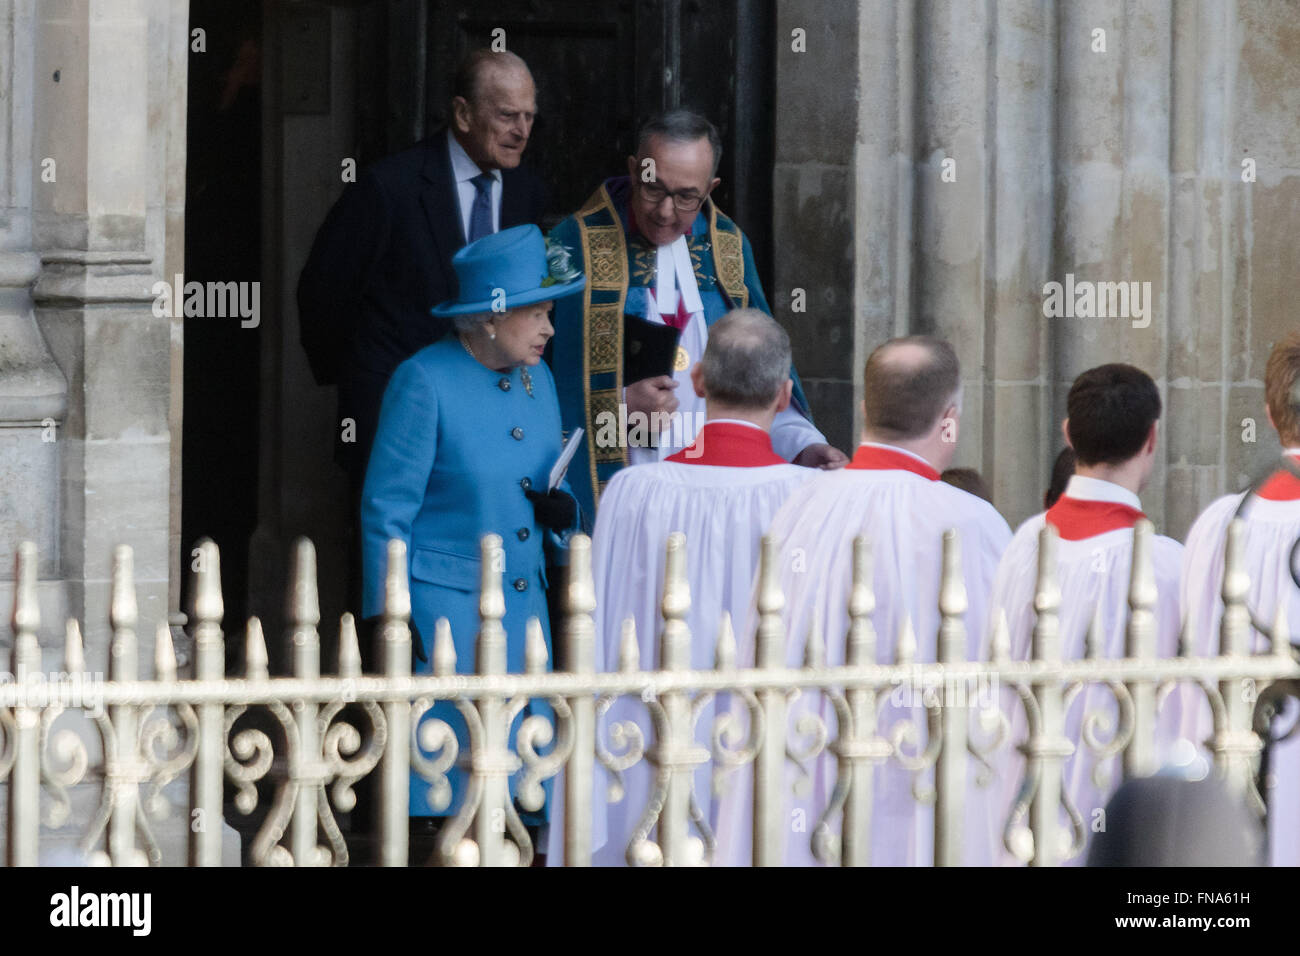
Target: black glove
{"type": "Point", "coordinates": [370, 628]}
{"type": "Point", "coordinates": [417, 645]}
{"type": "Point", "coordinates": [554, 510]}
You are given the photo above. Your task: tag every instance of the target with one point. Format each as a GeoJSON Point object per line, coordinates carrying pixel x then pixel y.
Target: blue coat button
{"type": "Point", "coordinates": [525, 483]}
{"type": "Point", "coordinates": [521, 584]}
{"type": "Point", "coordinates": [523, 534]}
{"type": "Point", "coordinates": [504, 385]}
{"type": "Point", "coordinates": [517, 434]}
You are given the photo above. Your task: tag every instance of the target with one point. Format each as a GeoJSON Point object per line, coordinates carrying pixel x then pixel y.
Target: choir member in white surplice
{"type": "Point", "coordinates": [891, 493]}
{"type": "Point", "coordinates": [721, 492]}
{"type": "Point", "coordinates": [1272, 519]}
{"type": "Point", "coordinates": [1113, 412]}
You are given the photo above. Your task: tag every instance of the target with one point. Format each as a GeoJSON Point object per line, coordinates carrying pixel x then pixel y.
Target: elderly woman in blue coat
{"type": "Point", "coordinates": [468, 433]}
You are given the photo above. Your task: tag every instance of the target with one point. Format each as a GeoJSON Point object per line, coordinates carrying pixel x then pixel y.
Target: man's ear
{"type": "Point", "coordinates": [1065, 433]}
{"type": "Point", "coordinates": [950, 414]}
{"type": "Point", "coordinates": [697, 380]}
{"type": "Point", "coordinates": [461, 113]}
{"type": "Point", "coordinates": [1151, 437]}
{"type": "Point", "coordinates": [783, 399]}
{"type": "Point", "coordinates": [1268, 413]}
{"type": "Point", "coordinates": [713, 185]}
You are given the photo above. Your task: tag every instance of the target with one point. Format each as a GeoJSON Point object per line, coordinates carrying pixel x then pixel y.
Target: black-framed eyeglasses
{"type": "Point", "coordinates": [654, 194]}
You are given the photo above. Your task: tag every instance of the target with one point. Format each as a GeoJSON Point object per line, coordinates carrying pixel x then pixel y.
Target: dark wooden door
{"type": "Point", "coordinates": [601, 68]}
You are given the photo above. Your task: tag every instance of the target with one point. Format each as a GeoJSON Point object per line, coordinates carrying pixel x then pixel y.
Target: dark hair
{"type": "Point", "coordinates": [746, 362]}
{"type": "Point", "coordinates": [681, 126]}
{"type": "Point", "coordinates": [1282, 388]}
{"type": "Point", "coordinates": [968, 480]}
{"type": "Point", "coordinates": [1061, 472]}
{"type": "Point", "coordinates": [468, 78]}
{"type": "Point", "coordinates": [905, 399]}
{"type": "Point", "coordinates": [1111, 409]}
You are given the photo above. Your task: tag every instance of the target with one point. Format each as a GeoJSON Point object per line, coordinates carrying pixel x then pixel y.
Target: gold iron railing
{"type": "Point", "coordinates": [338, 729]}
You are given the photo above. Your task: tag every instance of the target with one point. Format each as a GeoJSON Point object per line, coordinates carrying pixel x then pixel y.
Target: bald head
{"type": "Point", "coordinates": [907, 385]}
{"type": "Point", "coordinates": [746, 363]}
{"type": "Point", "coordinates": [493, 106]}
{"type": "Point", "coordinates": [480, 64]}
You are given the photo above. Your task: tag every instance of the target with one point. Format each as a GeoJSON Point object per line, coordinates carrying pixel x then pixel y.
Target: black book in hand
{"type": "Point", "coordinates": [649, 348]}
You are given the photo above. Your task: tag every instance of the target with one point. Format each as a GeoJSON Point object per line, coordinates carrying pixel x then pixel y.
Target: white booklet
{"type": "Point", "coordinates": [562, 463]}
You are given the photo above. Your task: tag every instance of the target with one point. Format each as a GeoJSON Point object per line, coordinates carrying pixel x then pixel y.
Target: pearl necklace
{"type": "Point", "coordinates": [523, 372]}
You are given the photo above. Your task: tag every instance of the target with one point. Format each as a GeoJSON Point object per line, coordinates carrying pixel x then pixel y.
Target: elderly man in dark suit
{"type": "Point", "coordinates": [382, 259]}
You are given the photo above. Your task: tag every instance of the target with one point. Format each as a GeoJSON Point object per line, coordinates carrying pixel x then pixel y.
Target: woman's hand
{"type": "Point", "coordinates": [555, 510]}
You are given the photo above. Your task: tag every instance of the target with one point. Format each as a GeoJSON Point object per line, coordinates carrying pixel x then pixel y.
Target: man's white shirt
{"type": "Point", "coordinates": [464, 170]}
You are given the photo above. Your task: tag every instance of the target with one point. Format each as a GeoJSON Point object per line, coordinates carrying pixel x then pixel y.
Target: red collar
{"type": "Point", "coordinates": [876, 458]}
{"type": "Point", "coordinates": [1281, 486]}
{"type": "Point", "coordinates": [1077, 518]}
{"type": "Point", "coordinates": [731, 446]}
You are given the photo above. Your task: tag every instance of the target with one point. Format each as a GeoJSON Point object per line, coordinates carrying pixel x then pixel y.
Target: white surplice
{"type": "Point", "coordinates": [1093, 571]}
{"type": "Point", "coordinates": [723, 511]}
{"type": "Point", "coordinates": [1272, 529]}
{"type": "Point", "coordinates": [904, 516]}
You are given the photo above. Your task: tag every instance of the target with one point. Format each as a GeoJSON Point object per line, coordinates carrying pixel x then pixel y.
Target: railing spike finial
{"type": "Point", "coordinates": [580, 594]}
{"type": "Point", "coordinates": [953, 600]}
{"type": "Point", "coordinates": [860, 645]}
{"type": "Point", "coordinates": [164, 653]}
{"type": "Point", "coordinates": [675, 638]}
{"type": "Point", "coordinates": [629, 651]}
{"type": "Point", "coordinates": [303, 610]}
{"type": "Point", "coordinates": [535, 656]}
{"type": "Point", "coordinates": [770, 639]}
{"type": "Point", "coordinates": [677, 590]}
{"type": "Point", "coordinates": [1047, 598]}
{"type": "Point", "coordinates": [490, 647]}
{"type": "Point", "coordinates": [256, 663]}
{"type": "Point", "coordinates": [1142, 590]}
{"type": "Point", "coordinates": [862, 597]}
{"type": "Point", "coordinates": [123, 616]}
{"type": "Point", "coordinates": [74, 652]}
{"type": "Point", "coordinates": [122, 611]}
{"type": "Point", "coordinates": [349, 647]}
{"type": "Point", "coordinates": [209, 606]}
{"type": "Point", "coordinates": [444, 649]}
{"type": "Point", "coordinates": [397, 591]}
{"type": "Point", "coordinates": [1234, 628]}
{"type": "Point", "coordinates": [492, 599]}
{"type": "Point", "coordinates": [724, 653]}
{"type": "Point", "coordinates": [26, 618]}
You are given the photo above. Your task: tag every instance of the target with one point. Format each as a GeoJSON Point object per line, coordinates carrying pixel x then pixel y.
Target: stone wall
{"type": "Point", "coordinates": [93, 130]}
{"type": "Point", "coordinates": [1115, 158]}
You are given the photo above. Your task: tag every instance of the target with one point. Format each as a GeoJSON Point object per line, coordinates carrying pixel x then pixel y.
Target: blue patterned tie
{"type": "Point", "coordinates": [480, 214]}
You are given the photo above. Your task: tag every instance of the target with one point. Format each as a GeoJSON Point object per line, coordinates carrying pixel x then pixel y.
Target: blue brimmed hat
{"type": "Point", "coordinates": [516, 261]}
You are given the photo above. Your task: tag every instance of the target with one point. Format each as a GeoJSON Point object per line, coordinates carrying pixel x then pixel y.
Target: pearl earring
{"type": "Point", "coordinates": [492, 336]}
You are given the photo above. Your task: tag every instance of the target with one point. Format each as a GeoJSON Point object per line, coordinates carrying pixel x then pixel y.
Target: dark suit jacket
{"type": "Point", "coordinates": [380, 261]}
